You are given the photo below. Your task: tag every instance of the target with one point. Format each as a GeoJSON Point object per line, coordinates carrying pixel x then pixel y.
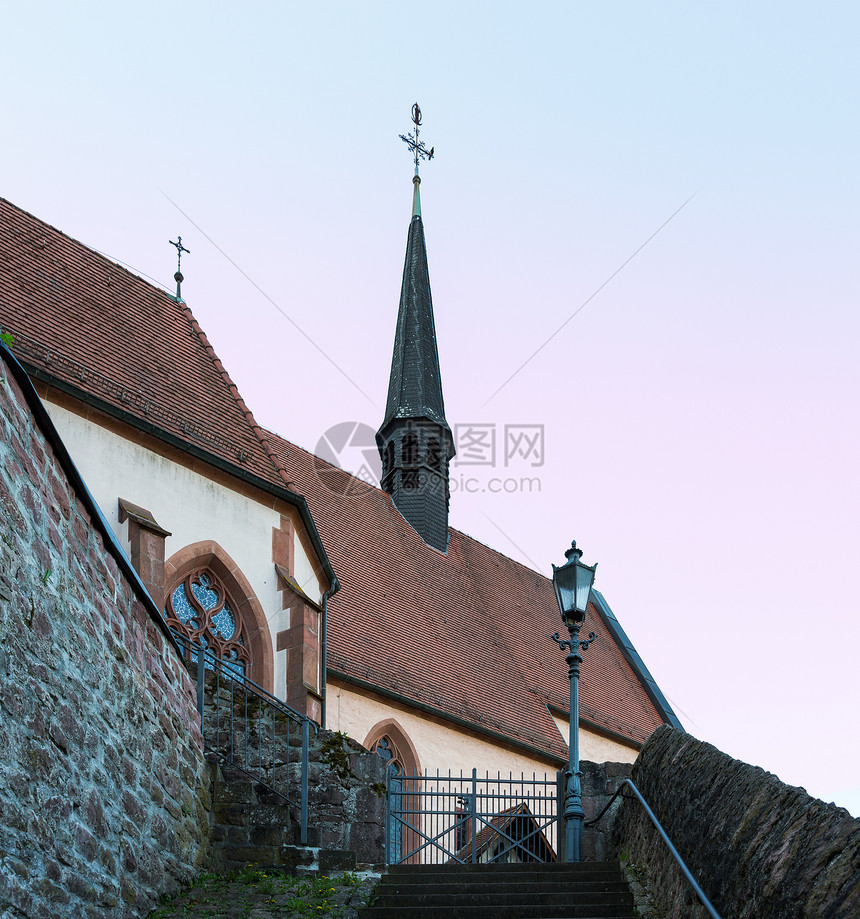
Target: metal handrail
{"type": "Point", "coordinates": [258, 690]}
{"type": "Point", "coordinates": [686, 871]}
{"type": "Point", "coordinates": [239, 754]}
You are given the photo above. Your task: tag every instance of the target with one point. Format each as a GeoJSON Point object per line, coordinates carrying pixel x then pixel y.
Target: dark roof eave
{"type": "Point", "coordinates": [446, 716]}
{"type": "Point", "coordinates": [596, 728]}
{"type": "Point", "coordinates": [631, 655]}
{"type": "Point", "coordinates": [422, 414]}
{"type": "Point", "coordinates": [218, 462]}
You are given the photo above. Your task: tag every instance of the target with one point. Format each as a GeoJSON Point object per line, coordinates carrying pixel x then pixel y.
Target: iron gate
{"type": "Point", "coordinates": [434, 819]}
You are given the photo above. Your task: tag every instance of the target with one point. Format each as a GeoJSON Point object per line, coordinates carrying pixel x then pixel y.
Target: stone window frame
{"type": "Point", "coordinates": [234, 648]}
{"type": "Point", "coordinates": [209, 556]}
{"type": "Point", "coordinates": [405, 756]}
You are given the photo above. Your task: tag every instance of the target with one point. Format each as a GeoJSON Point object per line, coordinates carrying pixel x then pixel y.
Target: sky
{"type": "Point", "coordinates": [642, 235]}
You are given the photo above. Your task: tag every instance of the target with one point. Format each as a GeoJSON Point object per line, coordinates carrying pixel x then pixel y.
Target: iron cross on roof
{"type": "Point", "coordinates": [178, 276]}
{"type": "Point", "coordinates": [412, 141]}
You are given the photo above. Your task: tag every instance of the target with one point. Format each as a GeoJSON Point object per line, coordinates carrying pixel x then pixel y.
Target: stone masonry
{"type": "Point", "coordinates": [600, 781]}
{"type": "Point", "coordinates": [346, 803]}
{"type": "Point", "coordinates": [759, 849]}
{"type": "Point", "coordinates": [104, 797]}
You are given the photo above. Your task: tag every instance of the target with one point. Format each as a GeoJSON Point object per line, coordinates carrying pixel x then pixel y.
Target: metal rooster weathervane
{"type": "Point", "coordinates": [419, 151]}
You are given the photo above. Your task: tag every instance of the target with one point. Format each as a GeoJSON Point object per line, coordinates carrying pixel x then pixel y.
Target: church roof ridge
{"type": "Point", "coordinates": [158, 371]}
{"type": "Point", "coordinates": [57, 293]}
{"type": "Point", "coordinates": [59, 313]}
{"type": "Point", "coordinates": [455, 593]}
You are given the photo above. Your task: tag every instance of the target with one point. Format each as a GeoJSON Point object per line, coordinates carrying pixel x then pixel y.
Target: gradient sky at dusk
{"type": "Point", "coordinates": [700, 411]}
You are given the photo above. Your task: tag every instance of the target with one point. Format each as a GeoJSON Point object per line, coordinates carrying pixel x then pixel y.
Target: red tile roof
{"type": "Point", "coordinates": [58, 298]}
{"type": "Point", "coordinates": [465, 634]}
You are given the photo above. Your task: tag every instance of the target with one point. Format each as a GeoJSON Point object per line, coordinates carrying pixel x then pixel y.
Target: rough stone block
{"type": "Point", "coordinates": [265, 835]}
{"type": "Point", "coordinates": [332, 860]}
{"type": "Point", "coordinates": [231, 814]}
{"type": "Point", "coordinates": [295, 857]}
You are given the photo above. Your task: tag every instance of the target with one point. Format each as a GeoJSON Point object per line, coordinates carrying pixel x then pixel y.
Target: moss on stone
{"type": "Point", "coordinates": [334, 751]}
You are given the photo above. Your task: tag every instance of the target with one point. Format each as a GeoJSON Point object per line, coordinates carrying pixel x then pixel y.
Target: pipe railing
{"type": "Point", "coordinates": [248, 728]}
{"type": "Point", "coordinates": [674, 852]}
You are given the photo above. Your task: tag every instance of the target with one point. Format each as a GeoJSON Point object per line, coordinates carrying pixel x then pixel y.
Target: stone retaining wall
{"type": "Point", "coordinates": [347, 797]}
{"type": "Point", "coordinates": [600, 781]}
{"type": "Point", "coordinates": [346, 810]}
{"type": "Point", "coordinates": [104, 801]}
{"type": "Point", "coordinates": [758, 848]}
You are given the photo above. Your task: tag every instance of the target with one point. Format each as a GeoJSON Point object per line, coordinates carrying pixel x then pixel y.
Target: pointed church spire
{"type": "Point", "coordinates": [415, 441]}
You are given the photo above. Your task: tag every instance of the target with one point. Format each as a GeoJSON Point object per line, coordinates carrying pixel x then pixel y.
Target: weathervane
{"type": "Point", "coordinates": [419, 151]}
{"type": "Point", "coordinates": [178, 276]}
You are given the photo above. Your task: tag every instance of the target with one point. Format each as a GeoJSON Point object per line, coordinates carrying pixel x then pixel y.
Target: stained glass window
{"type": "Point", "coordinates": [199, 608]}
{"type": "Point", "coordinates": [395, 800]}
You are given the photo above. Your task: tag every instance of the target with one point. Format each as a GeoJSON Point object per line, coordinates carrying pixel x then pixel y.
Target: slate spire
{"type": "Point", "coordinates": [415, 440]}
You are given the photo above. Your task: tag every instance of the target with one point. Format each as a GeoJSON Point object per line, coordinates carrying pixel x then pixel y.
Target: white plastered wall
{"type": "Point", "coordinates": [444, 747]}
{"type": "Point", "coordinates": [595, 747]}
{"type": "Point", "coordinates": [192, 507]}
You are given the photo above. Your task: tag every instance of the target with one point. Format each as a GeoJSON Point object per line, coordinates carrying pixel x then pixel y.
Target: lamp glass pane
{"type": "Point", "coordinates": [564, 580]}
{"type": "Point", "coordinates": [584, 581]}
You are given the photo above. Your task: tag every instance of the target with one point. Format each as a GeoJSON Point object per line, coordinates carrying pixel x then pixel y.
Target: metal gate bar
{"type": "Point", "coordinates": [433, 819]}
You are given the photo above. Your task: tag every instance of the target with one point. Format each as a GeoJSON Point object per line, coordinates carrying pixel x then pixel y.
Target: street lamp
{"type": "Point", "coordinates": [572, 583]}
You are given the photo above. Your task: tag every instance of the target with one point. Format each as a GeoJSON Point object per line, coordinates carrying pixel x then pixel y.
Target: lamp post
{"type": "Point", "coordinates": [572, 582]}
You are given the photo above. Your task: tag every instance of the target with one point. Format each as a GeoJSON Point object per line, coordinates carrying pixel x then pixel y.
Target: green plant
{"type": "Point", "coordinates": [637, 877]}
{"type": "Point", "coordinates": [335, 751]}
{"type": "Point", "coordinates": [254, 889]}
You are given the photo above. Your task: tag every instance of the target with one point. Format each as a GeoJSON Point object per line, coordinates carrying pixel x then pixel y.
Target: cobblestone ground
{"type": "Point", "coordinates": [258, 895]}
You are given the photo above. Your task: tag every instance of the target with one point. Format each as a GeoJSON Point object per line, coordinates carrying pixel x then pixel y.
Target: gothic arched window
{"type": "Point", "coordinates": [392, 743]}
{"type": "Point", "coordinates": [397, 818]}
{"type": "Point", "coordinates": [200, 609]}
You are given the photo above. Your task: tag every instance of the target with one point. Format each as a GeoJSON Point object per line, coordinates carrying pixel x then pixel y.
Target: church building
{"type": "Point", "coordinates": [356, 605]}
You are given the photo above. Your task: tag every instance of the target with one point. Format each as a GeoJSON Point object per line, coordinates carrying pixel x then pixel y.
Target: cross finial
{"type": "Point", "coordinates": [419, 151]}
{"type": "Point", "coordinates": [178, 276]}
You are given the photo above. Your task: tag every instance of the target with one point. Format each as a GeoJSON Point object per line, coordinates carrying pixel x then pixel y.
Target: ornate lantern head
{"type": "Point", "coordinates": [572, 583]}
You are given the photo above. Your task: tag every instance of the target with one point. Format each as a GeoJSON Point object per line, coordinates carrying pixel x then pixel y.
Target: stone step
{"type": "Point", "coordinates": [252, 814]}
{"type": "Point", "coordinates": [458, 911]}
{"type": "Point", "coordinates": [517, 889]}
{"type": "Point", "coordinates": [566, 868]}
{"type": "Point", "coordinates": [514, 877]}
{"type": "Point", "coordinates": [247, 828]}
{"type": "Point", "coordinates": [609, 882]}
{"type": "Point", "coordinates": [523, 891]}
{"type": "Point", "coordinates": [464, 896]}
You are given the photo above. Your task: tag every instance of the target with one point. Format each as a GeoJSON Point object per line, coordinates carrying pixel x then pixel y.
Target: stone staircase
{"type": "Point", "coordinates": [534, 891]}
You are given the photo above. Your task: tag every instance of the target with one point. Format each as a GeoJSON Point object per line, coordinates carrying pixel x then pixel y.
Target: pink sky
{"type": "Point", "coordinates": [700, 413]}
